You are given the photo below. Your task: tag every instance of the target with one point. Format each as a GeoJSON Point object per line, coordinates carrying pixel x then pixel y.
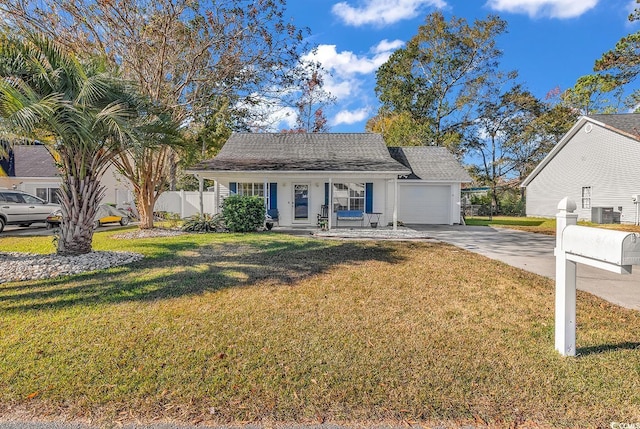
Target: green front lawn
{"type": "Point", "coordinates": [272, 328]}
{"type": "Point", "coordinates": [531, 224]}
{"type": "Point", "coordinates": [539, 225]}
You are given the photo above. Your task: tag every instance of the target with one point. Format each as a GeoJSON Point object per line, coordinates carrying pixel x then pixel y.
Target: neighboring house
{"type": "Point", "coordinates": [32, 169]}
{"type": "Point", "coordinates": [597, 165]}
{"type": "Point", "coordinates": [298, 174]}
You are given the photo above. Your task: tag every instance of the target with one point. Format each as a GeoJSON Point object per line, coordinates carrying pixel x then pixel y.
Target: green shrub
{"type": "Point", "coordinates": [512, 205]}
{"type": "Point", "coordinates": [204, 223]}
{"type": "Point", "coordinates": [243, 213]}
{"type": "Point", "coordinates": [170, 220]}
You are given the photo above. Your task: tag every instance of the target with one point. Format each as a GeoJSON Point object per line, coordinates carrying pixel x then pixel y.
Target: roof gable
{"type": "Point", "coordinates": [430, 163]}
{"type": "Point", "coordinates": [303, 152]}
{"type": "Point", "coordinates": [627, 125]}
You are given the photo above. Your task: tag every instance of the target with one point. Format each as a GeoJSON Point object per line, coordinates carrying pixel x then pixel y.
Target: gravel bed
{"type": "Point", "coordinates": [374, 234]}
{"type": "Point", "coordinates": [30, 266]}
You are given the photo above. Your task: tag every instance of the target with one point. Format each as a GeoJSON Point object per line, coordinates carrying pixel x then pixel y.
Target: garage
{"type": "Point", "coordinates": [424, 204]}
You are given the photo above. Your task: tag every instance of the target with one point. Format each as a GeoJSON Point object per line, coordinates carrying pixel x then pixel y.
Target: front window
{"type": "Point", "coordinates": [254, 190]}
{"type": "Point", "coordinates": [586, 197]}
{"type": "Point", "coordinates": [348, 196]}
{"type": "Point", "coordinates": [48, 194]}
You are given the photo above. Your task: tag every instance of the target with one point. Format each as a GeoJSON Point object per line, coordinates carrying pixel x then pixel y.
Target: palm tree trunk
{"type": "Point", "coordinates": [80, 199]}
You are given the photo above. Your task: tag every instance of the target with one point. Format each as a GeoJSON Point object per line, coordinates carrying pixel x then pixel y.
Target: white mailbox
{"type": "Point", "coordinates": [615, 251]}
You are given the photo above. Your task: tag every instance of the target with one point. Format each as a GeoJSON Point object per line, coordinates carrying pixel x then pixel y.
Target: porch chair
{"type": "Point", "coordinates": [323, 217]}
{"type": "Point", "coordinates": [272, 217]}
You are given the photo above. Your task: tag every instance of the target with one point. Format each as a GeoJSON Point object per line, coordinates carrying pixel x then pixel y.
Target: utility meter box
{"type": "Point", "coordinates": [614, 247]}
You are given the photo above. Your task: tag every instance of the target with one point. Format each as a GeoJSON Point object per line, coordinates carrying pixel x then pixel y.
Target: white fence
{"type": "Point", "coordinates": [186, 203]}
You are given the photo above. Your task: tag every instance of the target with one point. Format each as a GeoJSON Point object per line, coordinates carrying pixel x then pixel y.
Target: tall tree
{"type": "Point", "coordinates": [606, 90]}
{"type": "Point", "coordinates": [400, 129]}
{"type": "Point", "coordinates": [183, 54]}
{"type": "Point", "coordinates": [594, 93]}
{"type": "Point", "coordinates": [438, 76]}
{"type": "Point", "coordinates": [623, 61]}
{"type": "Point", "coordinates": [76, 107]}
{"type": "Point", "coordinates": [513, 133]}
{"type": "Point", "coordinates": [309, 99]}
{"type": "Point", "coordinates": [147, 161]}
{"type": "Point", "coordinates": [313, 101]}
{"type": "Point", "coordinates": [498, 136]}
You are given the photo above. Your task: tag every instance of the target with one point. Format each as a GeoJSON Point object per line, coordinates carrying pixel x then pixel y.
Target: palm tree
{"type": "Point", "coordinates": [79, 109]}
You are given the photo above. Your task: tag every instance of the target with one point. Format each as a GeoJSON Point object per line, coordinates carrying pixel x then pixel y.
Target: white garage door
{"type": "Point", "coordinates": [424, 204]}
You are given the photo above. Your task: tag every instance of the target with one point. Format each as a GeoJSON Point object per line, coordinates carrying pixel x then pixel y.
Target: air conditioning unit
{"type": "Point", "coordinates": [602, 215]}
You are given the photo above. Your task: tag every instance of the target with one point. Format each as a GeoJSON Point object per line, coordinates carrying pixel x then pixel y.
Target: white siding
{"type": "Point", "coordinates": [606, 161]}
{"type": "Point", "coordinates": [117, 187]}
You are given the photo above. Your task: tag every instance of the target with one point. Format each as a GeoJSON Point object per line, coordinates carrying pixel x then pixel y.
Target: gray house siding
{"type": "Point", "coordinates": [606, 161]}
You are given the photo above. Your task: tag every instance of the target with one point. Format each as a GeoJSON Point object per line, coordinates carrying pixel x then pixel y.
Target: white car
{"type": "Point", "coordinates": [20, 208]}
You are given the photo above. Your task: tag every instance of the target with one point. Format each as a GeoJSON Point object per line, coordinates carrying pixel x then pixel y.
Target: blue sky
{"type": "Point", "coordinates": [550, 43]}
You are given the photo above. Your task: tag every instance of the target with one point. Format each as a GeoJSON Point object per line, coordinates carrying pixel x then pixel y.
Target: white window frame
{"type": "Point", "coordinates": [254, 189]}
{"type": "Point", "coordinates": [353, 200]}
{"type": "Point", "coordinates": [51, 194]}
{"type": "Point", "coordinates": [587, 192]}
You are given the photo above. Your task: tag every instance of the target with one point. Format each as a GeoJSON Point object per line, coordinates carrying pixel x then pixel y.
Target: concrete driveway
{"type": "Point", "coordinates": [534, 253]}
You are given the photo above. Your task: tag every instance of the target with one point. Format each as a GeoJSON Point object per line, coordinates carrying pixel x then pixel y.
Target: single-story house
{"type": "Point", "coordinates": [300, 174]}
{"type": "Point", "coordinates": [31, 168]}
{"type": "Point", "coordinates": [597, 165]}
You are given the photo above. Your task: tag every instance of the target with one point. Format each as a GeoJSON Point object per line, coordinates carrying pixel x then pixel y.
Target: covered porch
{"type": "Point", "coordinates": [320, 200]}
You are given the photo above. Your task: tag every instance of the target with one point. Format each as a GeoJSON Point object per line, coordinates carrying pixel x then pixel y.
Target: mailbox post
{"type": "Point", "coordinates": [614, 251]}
{"type": "Point", "coordinates": [565, 326]}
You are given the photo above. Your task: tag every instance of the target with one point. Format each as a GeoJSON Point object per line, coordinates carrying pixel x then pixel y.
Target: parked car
{"type": "Point", "coordinates": [20, 208]}
{"type": "Point", "coordinates": [105, 214]}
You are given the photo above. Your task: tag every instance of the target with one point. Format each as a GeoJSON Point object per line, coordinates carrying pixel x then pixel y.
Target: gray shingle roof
{"type": "Point", "coordinates": [430, 163]}
{"type": "Point", "coordinates": [628, 123]}
{"type": "Point", "coordinates": [303, 152]}
{"type": "Point", "coordinates": [33, 160]}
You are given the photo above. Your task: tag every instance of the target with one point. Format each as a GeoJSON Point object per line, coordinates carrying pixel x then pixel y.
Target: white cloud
{"type": "Point", "coordinates": [348, 76]}
{"type": "Point", "coordinates": [349, 117]}
{"type": "Point", "coordinates": [282, 118]}
{"type": "Point", "coordinates": [345, 68]}
{"type": "Point", "coordinates": [382, 12]}
{"type": "Point", "coordinates": [340, 89]}
{"type": "Point", "coordinates": [268, 114]}
{"type": "Point", "coordinates": [561, 9]}
{"type": "Point", "coordinates": [387, 46]}
{"type": "Point", "coordinates": [346, 62]}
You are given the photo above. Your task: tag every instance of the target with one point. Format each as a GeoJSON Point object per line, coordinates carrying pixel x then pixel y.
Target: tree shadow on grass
{"type": "Point", "coordinates": [180, 269]}
{"type": "Point", "coordinates": [604, 348]}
